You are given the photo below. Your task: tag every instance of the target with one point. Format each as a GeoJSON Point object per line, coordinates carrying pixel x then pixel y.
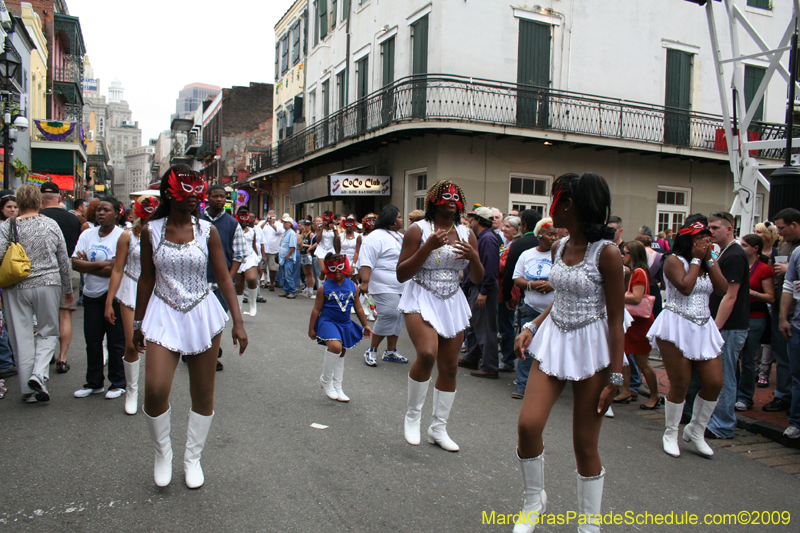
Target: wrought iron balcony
{"type": "Point", "coordinates": [446, 98]}
{"type": "Point", "coordinates": [70, 72]}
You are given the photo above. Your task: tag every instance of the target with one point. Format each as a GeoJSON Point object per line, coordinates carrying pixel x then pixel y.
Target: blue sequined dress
{"type": "Point", "coordinates": [180, 316]}
{"type": "Point", "coordinates": [334, 321]}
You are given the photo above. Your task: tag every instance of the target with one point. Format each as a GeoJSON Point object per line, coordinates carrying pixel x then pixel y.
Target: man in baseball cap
{"type": "Point", "coordinates": [50, 187]}
{"type": "Point", "coordinates": [481, 354]}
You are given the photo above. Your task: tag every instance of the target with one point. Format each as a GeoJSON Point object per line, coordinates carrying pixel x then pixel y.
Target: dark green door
{"type": "Point", "coordinates": [362, 89]}
{"type": "Point", "coordinates": [533, 73]}
{"type": "Point", "coordinates": [419, 67]}
{"type": "Point", "coordinates": [677, 124]}
{"type": "Point", "coordinates": [387, 81]}
{"type": "Point", "coordinates": [752, 79]}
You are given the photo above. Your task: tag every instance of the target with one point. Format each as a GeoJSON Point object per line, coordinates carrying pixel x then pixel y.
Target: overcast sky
{"type": "Point", "coordinates": [155, 48]}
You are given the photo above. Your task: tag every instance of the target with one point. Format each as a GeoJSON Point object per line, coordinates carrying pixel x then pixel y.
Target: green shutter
{"type": "Point", "coordinates": [362, 89]}
{"type": "Point", "coordinates": [323, 18]}
{"type": "Point", "coordinates": [333, 13]}
{"type": "Point", "coordinates": [345, 9]}
{"type": "Point", "coordinates": [678, 98]}
{"type": "Point", "coordinates": [763, 4]}
{"type": "Point", "coordinates": [326, 100]}
{"type": "Point", "coordinates": [419, 65]}
{"type": "Point", "coordinates": [533, 73]}
{"type": "Point", "coordinates": [387, 50]}
{"type": "Point", "coordinates": [752, 79]}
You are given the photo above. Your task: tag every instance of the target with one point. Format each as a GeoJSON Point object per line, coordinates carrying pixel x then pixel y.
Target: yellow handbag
{"type": "Point", "coordinates": [16, 265]}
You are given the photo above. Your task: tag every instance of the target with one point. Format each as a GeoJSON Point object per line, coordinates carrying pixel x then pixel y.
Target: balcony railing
{"type": "Point", "coordinates": [69, 73]}
{"type": "Point", "coordinates": [445, 98]}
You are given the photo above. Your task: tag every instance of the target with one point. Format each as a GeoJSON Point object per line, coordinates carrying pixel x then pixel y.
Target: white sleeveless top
{"type": "Point", "coordinates": [348, 246]}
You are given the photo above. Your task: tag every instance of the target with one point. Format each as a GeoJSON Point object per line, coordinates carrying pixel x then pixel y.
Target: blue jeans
{"type": "Point", "coordinates": [747, 374]}
{"type": "Point", "coordinates": [6, 356]}
{"type": "Point", "coordinates": [526, 314]}
{"type": "Point", "coordinates": [794, 363]}
{"type": "Point", "coordinates": [636, 377]}
{"type": "Point", "coordinates": [315, 270]}
{"type": "Point", "coordinates": [287, 268]}
{"type": "Point", "coordinates": [783, 380]}
{"type": "Point", "coordinates": [505, 326]}
{"type": "Point", "coordinates": [723, 421]}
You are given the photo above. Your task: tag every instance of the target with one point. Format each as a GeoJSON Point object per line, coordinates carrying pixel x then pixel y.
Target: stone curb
{"type": "Point", "coordinates": [766, 429]}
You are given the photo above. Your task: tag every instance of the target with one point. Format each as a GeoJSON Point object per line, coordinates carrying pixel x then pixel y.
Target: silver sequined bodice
{"type": "Point", "coordinates": [695, 306]}
{"type": "Point", "coordinates": [580, 298]}
{"type": "Point", "coordinates": [181, 268]}
{"type": "Point", "coordinates": [348, 246]}
{"type": "Point", "coordinates": [133, 267]}
{"type": "Point", "coordinates": [440, 271]}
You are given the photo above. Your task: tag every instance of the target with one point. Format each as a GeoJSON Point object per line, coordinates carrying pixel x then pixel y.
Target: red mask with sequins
{"type": "Point", "coordinates": [183, 185]}
{"type": "Point", "coordinates": [243, 217]}
{"type": "Point", "coordinates": [337, 264]}
{"type": "Point", "coordinates": [349, 223]}
{"type": "Point", "coordinates": [327, 218]}
{"type": "Point", "coordinates": [450, 194]}
{"type": "Point", "coordinates": [145, 206]}
{"type": "Point", "coordinates": [369, 222]}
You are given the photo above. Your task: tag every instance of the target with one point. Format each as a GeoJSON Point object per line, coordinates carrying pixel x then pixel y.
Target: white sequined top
{"type": "Point", "coordinates": [580, 297]}
{"type": "Point", "coordinates": [180, 268]}
{"type": "Point", "coordinates": [348, 246]}
{"type": "Point", "coordinates": [695, 306]}
{"type": "Point", "coordinates": [133, 266]}
{"type": "Point", "coordinates": [440, 272]}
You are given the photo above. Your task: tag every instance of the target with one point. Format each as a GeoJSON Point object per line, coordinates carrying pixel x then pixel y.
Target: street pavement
{"type": "Point", "coordinates": [84, 465]}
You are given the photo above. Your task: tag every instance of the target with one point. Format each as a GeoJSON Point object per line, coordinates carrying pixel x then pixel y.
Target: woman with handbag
{"type": "Point", "coordinates": [687, 338]}
{"type": "Point", "coordinates": [639, 303]}
{"type": "Point", "coordinates": [38, 292]}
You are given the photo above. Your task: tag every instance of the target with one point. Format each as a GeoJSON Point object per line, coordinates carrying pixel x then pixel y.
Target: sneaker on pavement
{"type": "Point", "coordinates": [777, 404]}
{"type": "Point", "coordinates": [393, 357]}
{"type": "Point", "coordinates": [261, 300]}
{"type": "Point", "coordinates": [37, 384]}
{"type": "Point", "coordinates": [792, 432]}
{"type": "Point", "coordinates": [518, 394]}
{"type": "Point", "coordinates": [370, 357]}
{"type": "Point", "coordinates": [114, 393]}
{"type": "Point", "coordinates": [219, 366]}
{"type": "Point", "coordinates": [29, 398]}
{"type": "Point", "coordinates": [741, 406]}
{"type": "Point", "coordinates": [83, 393]}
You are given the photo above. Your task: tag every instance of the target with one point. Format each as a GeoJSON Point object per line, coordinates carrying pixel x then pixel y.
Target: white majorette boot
{"type": "Point", "coordinates": [132, 377]}
{"type": "Point", "coordinates": [252, 299]}
{"type": "Point", "coordinates": [437, 432]}
{"type": "Point", "coordinates": [338, 373]}
{"type": "Point", "coordinates": [696, 429]}
{"type": "Point", "coordinates": [590, 496]}
{"type": "Point", "coordinates": [535, 498]}
{"type": "Point", "coordinates": [326, 379]}
{"type": "Point", "coordinates": [240, 298]}
{"type": "Point", "coordinates": [159, 432]}
{"type": "Point", "coordinates": [672, 417]}
{"type": "Point", "coordinates": [417, 390]}
{"type": "Point", "coordinates": [196, 435]}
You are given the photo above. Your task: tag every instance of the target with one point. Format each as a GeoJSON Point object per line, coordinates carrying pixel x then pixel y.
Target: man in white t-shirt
{"type": "Point", "coordinates": [272, 233]}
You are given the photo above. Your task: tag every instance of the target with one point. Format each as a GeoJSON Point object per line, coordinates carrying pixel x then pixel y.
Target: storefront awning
{"type": "Point", "coordinates": [65, 182]}
{"type": "Point", "coordinates": [341, 185]}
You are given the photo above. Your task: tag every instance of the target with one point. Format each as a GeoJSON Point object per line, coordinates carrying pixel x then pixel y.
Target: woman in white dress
{"type": "Point", "coordinates": [122, 288]}
{"type": "Point", "coordinates": [176, 316]}
{"type": "Point", "coordinates": [434, 253]}
{"type": "Point", "coordinates": [686, 335]}
{"type": "Point", "coordinates": [350, 241]}
{"type": "Point", "coordinates": [578, 338]}
{"type": "Point", "coordinates": [326, 240]}
{"type": "Point", "coordinates": [248, 271]}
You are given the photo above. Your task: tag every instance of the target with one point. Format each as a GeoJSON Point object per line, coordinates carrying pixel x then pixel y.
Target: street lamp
{"type": "Point", "coordinates": [10, 129]}
{"type": "Point", "coordinates": [10, 63]}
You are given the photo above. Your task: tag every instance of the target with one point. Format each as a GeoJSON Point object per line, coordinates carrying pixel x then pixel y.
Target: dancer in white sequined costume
{"type": "Point", "coordinates": [177, 315]}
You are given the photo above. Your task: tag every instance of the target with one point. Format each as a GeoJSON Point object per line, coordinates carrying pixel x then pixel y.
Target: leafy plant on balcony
{"type": "Point", "coordinates": [20, 169]}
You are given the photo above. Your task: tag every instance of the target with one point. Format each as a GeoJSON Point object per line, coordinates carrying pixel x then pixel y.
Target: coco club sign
{"type": "Point", "coordinates": [359, 185]}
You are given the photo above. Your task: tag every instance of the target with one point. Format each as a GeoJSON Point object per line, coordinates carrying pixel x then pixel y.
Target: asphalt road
{"type": "Point", "coordinates": [84, 465]}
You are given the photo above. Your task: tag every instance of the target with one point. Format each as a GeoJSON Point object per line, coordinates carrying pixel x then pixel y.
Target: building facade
{"type": "Point", "coordinates": [552, 94]}
{"type": "Point", "coordinates": [191, 97]}
{"type": "Point", "coordinates": [37, 91]}
{"type": "Point", "coordinates": [291, 46]}
{"type": "Point", "coordinates": [138, 164]}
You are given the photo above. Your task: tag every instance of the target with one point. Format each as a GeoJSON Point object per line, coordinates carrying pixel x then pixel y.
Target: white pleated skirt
{"type": "Point", "coordinates": [696, 342]}
{"type": "Point", "coordinates": [448, 317]}
{"type": "Point", "coordinates": [251, 261]}
{"type": "Point", "coordinates": [187, 333]}
{"type": "Point", "coordinates": [126, 294]}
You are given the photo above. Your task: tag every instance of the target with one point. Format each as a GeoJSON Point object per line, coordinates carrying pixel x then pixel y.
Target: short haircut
{"type": "Point", "coordinates": [416, 215]}
{"type": "Point", "coordinates": [29, 197]}
{"type": "Point", "coordinates": [721, 215]}
{"type": "Point", "coordinates": [613, 219]}
{"type": "Point", "coordinates": [216, 187]}
{"type": "Point", "coordinates": [547, 221]}
{"type": "Point", "coordinates": [530, 217]}
{"type": "Point", "coordinates": [78, 203]}
{"type": "Point", "coordinates": [788, 215]}
{"type": "Point", "coordinates": [646, 230]}
{"type": "Point", "coordinates": [51, 197]}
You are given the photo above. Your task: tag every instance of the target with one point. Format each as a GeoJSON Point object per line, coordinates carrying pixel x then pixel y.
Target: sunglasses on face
{"type": "Point", "coordinates": [720, 214]}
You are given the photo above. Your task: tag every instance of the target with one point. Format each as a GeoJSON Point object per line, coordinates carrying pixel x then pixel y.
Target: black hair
{"type": "Point", "coordinates": [755, 240]}
{"type": "Point", "coordinates": [215, 187]}
{"type": "Point", "coordinates": [485, 223]}
{"type": "Point", "coordinates": [332, 255]}
{"type": "Point", "coordinates": [115, 204]}
{"type": "Point", "coordinates": [164, 208]}
{"type": "Point", "coordinates": [788, 215]}
{"type": "Point", "coordinates": [529, 218]}
{"type": "Point", "coordinates": [242, 208]}
{"type": "Point", "coordinates": [77, 203]}
{"type": "Point", "coordinates": [329, 212]}
{"type": "Point", "coordinates": [682, 245]}
{"type": "Point", "coordinates": [592, 200]}
{"type": "Point", "coordinates": [614, 219]}
{"type": "Point", "coordinates": [388, 217]}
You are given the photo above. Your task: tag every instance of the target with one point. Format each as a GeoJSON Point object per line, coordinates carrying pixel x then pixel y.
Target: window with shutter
{"type": "Point", "coordinates": [316, 24]}
{"type": "Point", "coordinates": [752, 79]}
{"type": "Point", "coordinates": [678, 98]}
{"type": "Point", "coordinates": [277, 60]}
{"type": "Point", "coordinates": [296, 43]}
{"type": "Point", "coordinates": [333, 14]}
{"type": "Point", "coordinates": [345, 9]}
{"type": "Point", "coordinates": [284, 53]}
{"type": "Point", "coordinates": [762, 4]}
{"type": "Point", "coordinates": [323, 18]}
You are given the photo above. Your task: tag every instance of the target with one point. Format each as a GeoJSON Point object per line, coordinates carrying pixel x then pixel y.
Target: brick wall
{"type": "Point", "coordinates": [246, 121]}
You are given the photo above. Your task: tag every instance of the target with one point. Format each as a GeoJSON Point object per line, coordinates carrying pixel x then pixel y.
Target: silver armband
{"type": "Point", "coordinates": [137, 325]}
{"type": "Point", "coordinates": [697, 261]}
{"type": "Point", "coordinates": [710, 263]}
{"type": "Point", "coordinates": [616, 379]}
{"type": "Point", "coordinates": [531, 326]}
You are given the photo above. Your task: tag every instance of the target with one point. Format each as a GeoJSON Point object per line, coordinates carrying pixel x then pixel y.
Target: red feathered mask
{"type": "Point", "coordinates": [369, 221]}
{"type": "Point", "coordinates": [448, 194]}
{"type": "Point", "coordinates": [145, 206]}
{"type": "Point", "coordinates": [349, 223]}
{"type": "Point", "coordinates": [556, 198]}
{"type": "Point", "coordinates": [338, 263]}
{"type": "Point", "coordinates": [243, 217]}
{"type": "Point", "coordinates": [183, 184]}
{"type": "Point", "coordinates": [327, 218]}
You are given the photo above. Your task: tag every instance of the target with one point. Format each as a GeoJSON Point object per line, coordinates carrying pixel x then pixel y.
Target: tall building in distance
{"type": "Point", "coordinates": [190, 98]}
{"type": "Point", "coordinates": [138, 162]}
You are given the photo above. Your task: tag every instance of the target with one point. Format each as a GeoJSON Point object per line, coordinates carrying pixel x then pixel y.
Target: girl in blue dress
{"type": "Point", "coordinates": [330, 323]}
